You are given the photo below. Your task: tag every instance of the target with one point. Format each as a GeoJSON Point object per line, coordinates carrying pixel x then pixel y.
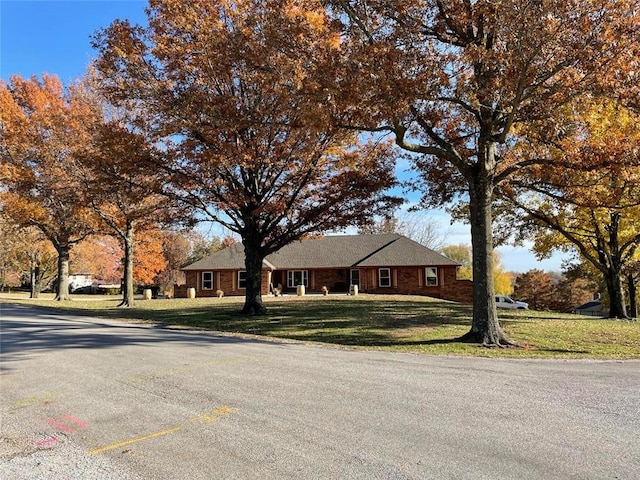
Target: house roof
{"type": "Point", "coordinates": [593, 305]}
{"type": "Point", "coordinates": [333, 251]}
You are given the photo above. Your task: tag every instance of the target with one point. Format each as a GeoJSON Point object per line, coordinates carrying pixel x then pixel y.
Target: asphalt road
{"type": "Point", "coordinates": [85, 398]}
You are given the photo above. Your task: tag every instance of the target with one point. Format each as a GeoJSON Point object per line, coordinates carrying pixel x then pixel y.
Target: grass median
{"type": "Point", "coordinates": [398, 323]}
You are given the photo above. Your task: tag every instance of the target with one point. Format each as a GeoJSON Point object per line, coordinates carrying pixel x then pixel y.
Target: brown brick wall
{"type": "Point", "coordinates": [225, 280]}
{"type": "Point", "coordinates": [404, 280]}
{"type": "Point", "coordinates": [336, 280]}
{"type": "Point", "coordinates": [410, 281]}
{"type": "Point", "coordinates": [461, 291]}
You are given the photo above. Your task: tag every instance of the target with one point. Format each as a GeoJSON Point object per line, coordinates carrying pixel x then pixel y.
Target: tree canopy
{"type": "Point", "coordinates": [456, 82]}
{"type": "Point", "coordinates": [43, 128]}
{"type": "Point", "coordinates": [233, 92]}
{"type": "Point", "coordinates": [122, 185]}
{"type": "Point", "coordinates": [589, 200]}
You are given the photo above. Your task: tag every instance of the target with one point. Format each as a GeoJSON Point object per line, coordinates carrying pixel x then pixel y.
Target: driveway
{"type": "Point", "coordinates": [86, 398]}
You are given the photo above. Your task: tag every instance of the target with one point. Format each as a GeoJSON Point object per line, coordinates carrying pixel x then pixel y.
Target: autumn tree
{"type": "Point", "coordinates": [232, 90]}
{"type": "Point", "coordinates": [585, 203]}
{"type": "Point", "coordinates": [37, 260]}
{"type": "Point", "coordinates": [26, 257]}
{"type": "Point", "coordinates": [379, 226]}
{"type": "Point", "coordinates": [536, 288]}
{"type": "Point", "coordinates": [122, 184]}
{"type": "Point", "coordinates": [42, 125]}
{"type": "Point", "coordinates": [176, 248]}
{"type": "Point", "coordinates": [544, 291]}
{"type": "Point", "coordinates": [461, 253]}
{"type": "Point", "coordinates": [455, 82]}
{"type": "Point", "coordinates": [150, 260]}
{"type": "Point", "coordinates": [100, 256]}
{"type": "Point", "coordinates": [422, 228]}
{"type": "Point", "coordinates": [9, 250]}
{"type": "Point", "coordinates": [571, 293]}
{"type": "Point", "coordinates": [184, 247]}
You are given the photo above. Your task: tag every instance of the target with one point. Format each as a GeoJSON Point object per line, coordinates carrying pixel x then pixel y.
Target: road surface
{"type": "Point", "coordinates": [87, 398]}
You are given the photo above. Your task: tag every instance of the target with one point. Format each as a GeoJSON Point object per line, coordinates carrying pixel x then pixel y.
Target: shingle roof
{"type": "Point", "coordinates": [231, 257]}
{"type": "Point", "coordinates": [593, 305]}
{"type": "Point", "coordinates": [334, 251]}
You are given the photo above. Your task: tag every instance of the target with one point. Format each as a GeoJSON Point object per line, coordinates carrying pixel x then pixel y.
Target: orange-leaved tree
{"type": "Point", "coordinates": [42, 126]}
{"type": "Point", "coordinates": [181, 248]}
{"type": "Point", "coordinates": [233, 92]}
{"type": "Point", "coordinates": [453, 82]}
{"type": "Point", "coordinates": [121, 183]}
{"type": "Point", "coordinates": [150, 259]}
{"type": "Point", "coordinates": [101, 257]}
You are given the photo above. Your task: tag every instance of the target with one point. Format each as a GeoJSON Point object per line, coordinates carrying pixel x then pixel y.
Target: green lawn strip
{"type": "Point", "coordinates": [398, 323]}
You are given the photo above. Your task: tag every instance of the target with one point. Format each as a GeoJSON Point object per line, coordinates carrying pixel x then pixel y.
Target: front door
{"type": "Point", "coordinates": [355, 278]}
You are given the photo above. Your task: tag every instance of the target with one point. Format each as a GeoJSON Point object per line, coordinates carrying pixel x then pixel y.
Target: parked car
{"type": "Point", "coordinates": [502, 301]}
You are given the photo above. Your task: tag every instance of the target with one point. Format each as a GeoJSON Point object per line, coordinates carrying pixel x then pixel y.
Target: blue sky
{"type": "Point", "coordinates": [53, 36]}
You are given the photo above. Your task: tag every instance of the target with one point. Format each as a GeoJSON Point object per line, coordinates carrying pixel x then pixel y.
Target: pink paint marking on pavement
{"type": "Point", "coordinates": [75, 420]}
{"type": "Point", "coordinates": [60, 426]}
{"type": "Point", "coordinates": [45, 442]}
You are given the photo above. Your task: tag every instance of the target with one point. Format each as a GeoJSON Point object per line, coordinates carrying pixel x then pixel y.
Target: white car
{"type": "Point", "coordinates": [502, 301]}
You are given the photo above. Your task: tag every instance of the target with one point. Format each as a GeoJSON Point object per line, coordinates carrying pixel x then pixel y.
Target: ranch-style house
{"type": "Point", "coordinates": [381, 264]}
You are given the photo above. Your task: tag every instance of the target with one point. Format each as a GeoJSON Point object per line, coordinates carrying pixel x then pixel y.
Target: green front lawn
{"type": "Point", "coordinates": [399, 323]}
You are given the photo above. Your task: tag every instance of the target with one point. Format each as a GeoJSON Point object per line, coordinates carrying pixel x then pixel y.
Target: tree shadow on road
{"type": "Point", "coordinates": [25, 331]}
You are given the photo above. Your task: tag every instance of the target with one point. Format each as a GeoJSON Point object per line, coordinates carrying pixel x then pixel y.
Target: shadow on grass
{"type": "Point", "coordinates": [416, 324]}
{"type": "Point", "coordinates": [344, 322]}
{"type": "Point", "coordinates": [562, 350]}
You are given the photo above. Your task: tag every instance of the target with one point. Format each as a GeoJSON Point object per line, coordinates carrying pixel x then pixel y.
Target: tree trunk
{"type": "Point", "coordinates": [63, 272]}
{"type": "Point", "coordinates": [127, 284]}
{"type": "Point", "coordinates": [485, 328]}
{"type": "Point", "coordinates": [617, 307]}
{"type": "Point", "coordinates": [613, 256]}
{"type": "Point", "coordinates": [633, 297]}
{"type": "Point", "coordinates": [35, 281]}
{"type": "Point", "coordinates": [39, 281]}
{"type": "Point", "coordinates": [253, 258]}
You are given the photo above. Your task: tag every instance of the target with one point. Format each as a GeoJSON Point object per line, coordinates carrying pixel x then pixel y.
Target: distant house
{"type": "Point", "coordinates": [388, 263]}
{"type": "Point", "coordinates": [593, 308]}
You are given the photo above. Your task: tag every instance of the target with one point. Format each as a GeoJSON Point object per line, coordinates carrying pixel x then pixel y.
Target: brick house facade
{"type": "Point", "coordinates": [381, 264]}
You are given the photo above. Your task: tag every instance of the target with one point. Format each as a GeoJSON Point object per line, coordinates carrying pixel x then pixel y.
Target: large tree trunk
{"type": "Point", "coordinates": [617, 307]}
{"type": "Point", "coordinates": [63, 272]}
{"type": "Point", "coordinates": [253, 258]}
{"type": "Point", "coordinates": [127, 284]}
{"type": "Point", "coordinates": [610, 255]}
{"type": "Point", "coordinates": [485, 328]}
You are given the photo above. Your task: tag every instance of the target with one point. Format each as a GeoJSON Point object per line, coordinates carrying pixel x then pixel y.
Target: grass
{"type": "Point", "coordinates": [398, 323]}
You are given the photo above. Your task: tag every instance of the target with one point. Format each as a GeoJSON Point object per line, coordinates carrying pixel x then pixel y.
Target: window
{"type": "Point", "coordinates": [297, 277]}
{"type": "Point", "coordinates": [242, 279]}
{"type": "Point", "coordinates": [384, 277]}
{"type": "Point", "coordinates": [355, 277]}
{"type": "Point", "coordinates": [207, 280]}
{"type": "Point", "coordinates": [431, 276]}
